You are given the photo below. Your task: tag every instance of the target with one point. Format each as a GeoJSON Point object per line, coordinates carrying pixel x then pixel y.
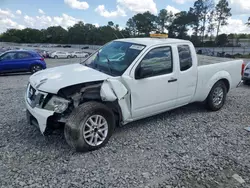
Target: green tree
{"type": "Point", "coordinates": [202, 11]}
{"type": "Point", "coordinates": [131, 27]}
{"type": "Point", "coordinates": [196, 11]}
{"type": "Point", "coordinates": [207, 13]}
{"type": "Point", "coordinates": [30, 35]}
{"type": "Point", "coordinates": [11, 35]}
{"type": "Point", "coordinates": [211, 25]}
{"type": "Point", "coordinates": [248, 21]}
{"type": "Point", "coordinates": [145, 23]}
{"type": "Point", "coordinates": [222, 13]}
{"type": "Point", "coordinates": [165, 18]}
{"type": "Point", "coordinates": [222, 40]}
{"type": "Point", "coordinates": [111, 24]}
{"type": "Point", "coordinates": [77, 34]}
{"type": "Point", "coordinates": [55, 34]}
{"type": "Point", "coordinates": [183, 20]}
{"type": "Point", "coordinates": [231, 36]}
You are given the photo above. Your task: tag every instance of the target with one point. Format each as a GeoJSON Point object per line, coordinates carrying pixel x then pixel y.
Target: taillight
{"type": "Point", "coordinates": [242, 68]}
{"type": "Point", "coordinates": [42, 59]}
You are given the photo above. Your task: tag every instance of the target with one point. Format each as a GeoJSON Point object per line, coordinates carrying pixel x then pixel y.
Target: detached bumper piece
{"type": "Point", "coordinates": [31, 119]}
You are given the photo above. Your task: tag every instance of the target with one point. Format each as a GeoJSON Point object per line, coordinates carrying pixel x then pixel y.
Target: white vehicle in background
{"type": "Point", "coordinates": [246, 74]}
{"type": "Point", "coordinates": [79, 54]}
{"type": "Point", "coordinates": [205, 51]}
{"type": "Point", "coordinates": [153, 76]}
{"type": "Point", "coordinates": [59, 54]}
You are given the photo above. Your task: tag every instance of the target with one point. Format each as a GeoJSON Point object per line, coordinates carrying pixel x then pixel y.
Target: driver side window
{"type": "Point", "coordinates": [157, 62]}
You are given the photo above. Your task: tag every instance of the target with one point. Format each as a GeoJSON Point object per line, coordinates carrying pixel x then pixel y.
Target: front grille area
{"type": "Point", "coordinates": [34, 97]}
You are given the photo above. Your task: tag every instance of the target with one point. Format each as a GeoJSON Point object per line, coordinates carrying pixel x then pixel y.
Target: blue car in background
{"type": "Point", "coordinates": [21, 61]}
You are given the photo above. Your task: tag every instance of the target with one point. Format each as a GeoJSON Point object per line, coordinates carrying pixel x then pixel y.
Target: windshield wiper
{"type": "Point", "coordinates": [109, 65]}
{"type": "Point", "coordinates": [97, 66]}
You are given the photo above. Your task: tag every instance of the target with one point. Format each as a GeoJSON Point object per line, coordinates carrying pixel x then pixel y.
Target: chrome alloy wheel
{"type": "Point", "coordinates": [218, 96]}
{"type": "Point", "coordinates": [95, 130]}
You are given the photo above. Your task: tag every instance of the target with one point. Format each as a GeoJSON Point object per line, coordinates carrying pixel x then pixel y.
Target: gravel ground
{"type": "Point", "coordinates": [186, 147]}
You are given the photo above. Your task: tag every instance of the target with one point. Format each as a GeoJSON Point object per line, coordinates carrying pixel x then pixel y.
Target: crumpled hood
{"type": "Point", "coordinates": [53, 79]}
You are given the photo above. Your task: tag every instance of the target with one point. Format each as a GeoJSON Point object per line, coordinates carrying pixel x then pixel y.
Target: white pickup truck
{"type": "Point", "coordinates": [150, 76]}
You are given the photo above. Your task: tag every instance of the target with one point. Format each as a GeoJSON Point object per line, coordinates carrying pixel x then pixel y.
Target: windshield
{"type": "Point", "coordinates": [114, 58]}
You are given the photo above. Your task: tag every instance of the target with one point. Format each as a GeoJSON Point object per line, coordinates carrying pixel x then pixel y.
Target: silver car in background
{"type": "Point", "coordinates": [80, 54]}
{"type": "Point", "coordinates": [59, 54]}
{"type": "Point", "coordinates": [246, 74]}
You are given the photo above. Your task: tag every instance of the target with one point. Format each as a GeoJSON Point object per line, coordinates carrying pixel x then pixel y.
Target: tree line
{"type": "Point", "coordinates": [204, 19]}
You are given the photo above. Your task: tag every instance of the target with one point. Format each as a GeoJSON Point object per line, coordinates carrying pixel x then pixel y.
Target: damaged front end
{"type": "Point", "coordinates": [111, 92]}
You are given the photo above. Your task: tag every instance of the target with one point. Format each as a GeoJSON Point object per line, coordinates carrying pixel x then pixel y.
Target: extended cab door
{"type": "Point", "coordinates": [154, 86]}
{"type": "Point", "coordinates": [187, 78]}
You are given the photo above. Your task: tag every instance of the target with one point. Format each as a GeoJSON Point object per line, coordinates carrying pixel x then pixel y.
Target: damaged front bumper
{"type": "Point", "coordinates": [35, 114]}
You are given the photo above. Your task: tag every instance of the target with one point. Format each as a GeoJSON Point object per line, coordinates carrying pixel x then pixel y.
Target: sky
{"type": "Point", "coordinates": [41, 14]}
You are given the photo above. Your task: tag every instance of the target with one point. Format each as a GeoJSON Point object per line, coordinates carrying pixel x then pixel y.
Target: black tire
{"type": "Point", "coordinates": [211, 105]}
{"type": "Point", "coordinates": [75, 56]}
{"type": "Point", "coordinates": [86, 56]}
{"type": "Point", "coordinates": [35, 68]}
{"type": "Point", "coordinates": [55, 57]}
{"type": "Point", "coordinates": [245, 82]}
{"type": "Point", "coordinates": [68, 56]}
{"type": "Point", "coordinates": [73, 130]}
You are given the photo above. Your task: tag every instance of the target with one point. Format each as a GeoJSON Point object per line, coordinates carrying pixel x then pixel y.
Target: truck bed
{"type": "Point", "coordinates": [211, 69]}
{"type": "Point", "coordinates": [206, 60]}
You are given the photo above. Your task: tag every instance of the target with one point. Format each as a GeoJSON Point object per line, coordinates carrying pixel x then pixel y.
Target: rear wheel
{"type": "Point", "coordinates": [75, 56]}
{"type": "Point", "coordinates": [89, 127]}
{"type": "Point", "coordinates": [217, 96]}
{"type": "Point", "coordinates": [68, 56]}
{"type": "Point", "coordinates": [55, 57]}
{"type": "Point", "coordinates": [35, 68]}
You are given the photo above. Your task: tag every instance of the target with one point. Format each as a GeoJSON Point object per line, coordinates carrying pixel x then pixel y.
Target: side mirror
{"type": "Point", "coordinates": [143, 72]}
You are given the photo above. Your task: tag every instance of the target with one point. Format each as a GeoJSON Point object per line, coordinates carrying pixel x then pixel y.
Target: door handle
{"type": "Point", "coordinates": [172, 80]}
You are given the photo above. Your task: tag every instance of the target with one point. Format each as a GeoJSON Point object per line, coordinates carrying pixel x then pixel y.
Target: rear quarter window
{"type": "Point", "coordinates": [185, 57]}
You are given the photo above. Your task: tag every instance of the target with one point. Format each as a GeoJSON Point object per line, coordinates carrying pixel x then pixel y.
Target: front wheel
{"type": "Point", "coordinates": [89, 127]}
{"type": "Point", "coordinates": [68, 56]}
{"type": "Point", "coordinates": [217, 96]}
{"type": "Point", "coordinates": [55, 57]}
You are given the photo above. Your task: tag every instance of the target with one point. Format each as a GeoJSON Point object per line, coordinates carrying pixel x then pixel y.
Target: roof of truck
{"type": "Point", "coordinates": [153, 41]}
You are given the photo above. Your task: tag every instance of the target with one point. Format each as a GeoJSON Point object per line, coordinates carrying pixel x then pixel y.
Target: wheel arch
{"type": "Point", "coordinates": [219, 76]}
{"type": "Point", "coordinates": [204, 86]}
{"type": "Point", "coordinates": [114, 105]}
{"type": "Point", "coordinates": [226, 82]}
{"type": "Point", "coordinates": [83, 93]}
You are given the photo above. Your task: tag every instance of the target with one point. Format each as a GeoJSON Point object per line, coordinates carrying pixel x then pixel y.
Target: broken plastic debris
{"type": "Point", "coordinates": [238, 178]}
{"type": "Point", "coordinates": [247, 128]}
